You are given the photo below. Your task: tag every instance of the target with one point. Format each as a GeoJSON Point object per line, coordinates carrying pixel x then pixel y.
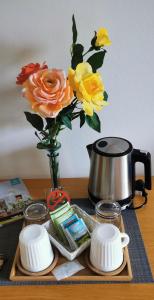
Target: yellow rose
{"type": "Point", "coordinates": [88, 86]}
{"type": "Point", "coordinates": [102, 38]}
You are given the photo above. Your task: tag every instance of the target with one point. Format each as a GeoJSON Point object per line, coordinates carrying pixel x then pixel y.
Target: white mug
{"type": "Point", "coordinates": [35, 249]}
{"type": "Point", "coordinates": [106, 250]}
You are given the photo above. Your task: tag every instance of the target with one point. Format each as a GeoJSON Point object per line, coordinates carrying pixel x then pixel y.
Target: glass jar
{"type": "Point", "coordinates": [108, 212]}
{"type": "Point", "coordinates": [36, 213]}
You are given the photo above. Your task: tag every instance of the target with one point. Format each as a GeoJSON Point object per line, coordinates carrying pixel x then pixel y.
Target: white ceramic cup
{"type": "Point", "coordinates": [35, 249]}
{"type": "Point", "coordinates": [106, 250]}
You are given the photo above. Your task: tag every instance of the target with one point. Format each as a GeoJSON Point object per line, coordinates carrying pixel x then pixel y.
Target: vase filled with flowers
{"type": "Point", "coordinates": [57, 99]}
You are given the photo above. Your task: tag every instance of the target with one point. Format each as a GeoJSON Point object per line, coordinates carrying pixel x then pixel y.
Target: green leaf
{"type": "Point", "coordinates": [76, 60]}
{"type": "Point", "coordinates": [67, 110]}
{"type": "Point", "coordinates": [93, 43]}
{"type": "Point", "coordinates": [96, 60]}
{"type": "Point", "coordinates": [74, 30]}
{"type": "Point", "coordinates": [105, 96]}
{"type": "Point", "coordinates": [37, 135]}
{"type": "Point", "coordinates": [77, 56]}
{"type": "Point", "coordinates": [35, 120]}
{"type": "Point", "coordinates": [94, 122]}
{"type": "Point", "coordinates": [82, 118]}
{"type": "Point", "coordinates": [66, 121]}
{"type": "Point", "coordinates": [78, 49]}
{"type": "Point", "coordinates": [50, 122]}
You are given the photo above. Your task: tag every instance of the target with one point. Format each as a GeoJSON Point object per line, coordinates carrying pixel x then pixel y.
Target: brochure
{"type": "Point", "coordinates": [14, 195]}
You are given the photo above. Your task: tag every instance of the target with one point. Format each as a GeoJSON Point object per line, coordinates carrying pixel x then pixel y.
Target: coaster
{"type": "Point", "coordinates": [43, 272]}
{"type": "Point", "coordinates": [111, 273]}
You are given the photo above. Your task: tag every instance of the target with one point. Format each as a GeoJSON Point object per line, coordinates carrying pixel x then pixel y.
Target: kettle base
{"type": "Point", "coordinates": [124, 203]}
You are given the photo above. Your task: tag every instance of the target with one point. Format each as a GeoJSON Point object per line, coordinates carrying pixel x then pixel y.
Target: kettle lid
{"type": "Point", "coordinates": [112, 146]}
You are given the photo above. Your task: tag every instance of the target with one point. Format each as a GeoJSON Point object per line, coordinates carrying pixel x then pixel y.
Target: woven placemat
{"type": "Point", "coordinates": [139, 261]}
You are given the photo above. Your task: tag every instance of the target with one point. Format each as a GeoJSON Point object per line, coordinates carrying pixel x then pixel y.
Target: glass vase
{"type": "Point", "coordinates": [53, 155]}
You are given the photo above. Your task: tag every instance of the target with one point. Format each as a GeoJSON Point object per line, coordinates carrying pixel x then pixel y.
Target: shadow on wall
{"type": "Point", "coordinates": [11, 61]}
{"type": "Point", "coordinates": [26, 163]}
{"type": "Point", "coordinates": [11, 55]}
{"type": "Point", "coordinates": [11, 108]}
{"type": "Point", "coordinates": [16, 162]}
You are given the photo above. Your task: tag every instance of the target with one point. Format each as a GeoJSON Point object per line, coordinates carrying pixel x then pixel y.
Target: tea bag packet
{"type": "Point", "coordinates": [63, 211]}
{"type": "Point", "coordinates": [78, 232]}
{"type": "Point", "coordinates": [59, 211]}
{"type": "Point", "coordinates": [64, 225]}
{"type": "Point", "coordinates": [59, 220]}
{"type": "Point", "coordinates": [75, 230]}
{"type": "Point", "coordinates": [69, 227]}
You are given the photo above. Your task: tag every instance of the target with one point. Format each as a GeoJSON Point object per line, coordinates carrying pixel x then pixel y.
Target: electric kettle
{"type": "Point", "coordinates": [112, 170]}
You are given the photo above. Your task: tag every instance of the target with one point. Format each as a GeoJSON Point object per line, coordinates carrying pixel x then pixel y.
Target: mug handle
{"type": "Point", "coordinates": [124, 239]}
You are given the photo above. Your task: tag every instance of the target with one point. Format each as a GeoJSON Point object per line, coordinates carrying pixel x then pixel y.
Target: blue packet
{"type": "Point", "coordinates": [70, 220]}
{"type": "Point", "coordinates": [64, 225]}
{"type": "Point", "coordinates": [78, 230]}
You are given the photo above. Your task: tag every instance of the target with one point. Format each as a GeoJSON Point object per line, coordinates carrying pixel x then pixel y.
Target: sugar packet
{"type": "Point", "coordinates": [67, 269]}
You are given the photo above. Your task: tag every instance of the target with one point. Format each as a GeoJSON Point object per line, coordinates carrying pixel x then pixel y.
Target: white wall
{"type": "Point", "coordinates": [39, 30]}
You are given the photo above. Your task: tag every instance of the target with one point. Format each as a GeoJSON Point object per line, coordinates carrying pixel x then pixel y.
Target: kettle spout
{"type": "Point", "coordinates": [89, 149]}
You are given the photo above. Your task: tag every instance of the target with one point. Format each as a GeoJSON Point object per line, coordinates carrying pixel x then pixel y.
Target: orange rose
{"type": "Point", "coordinates": [48, 92]}
{"type": "Point", "coordinates": [27, 70]}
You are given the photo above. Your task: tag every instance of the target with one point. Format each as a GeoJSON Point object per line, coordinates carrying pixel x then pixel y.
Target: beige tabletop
{"type": "Point", "coordinates": [77, 187]}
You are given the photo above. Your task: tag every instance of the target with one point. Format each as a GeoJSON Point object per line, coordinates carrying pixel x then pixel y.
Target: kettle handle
{"type": "Point", "coordinates": [89, 149]}
{"type": "Point", "coordinates": [145, 158]}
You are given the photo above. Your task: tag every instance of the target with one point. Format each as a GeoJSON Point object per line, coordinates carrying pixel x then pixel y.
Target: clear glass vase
{"type": "Point", "coordinates": [53, 154]}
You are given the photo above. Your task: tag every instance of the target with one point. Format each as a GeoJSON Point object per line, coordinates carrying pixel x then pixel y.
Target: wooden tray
{"type": "Point", "coordinates": [86, 274]}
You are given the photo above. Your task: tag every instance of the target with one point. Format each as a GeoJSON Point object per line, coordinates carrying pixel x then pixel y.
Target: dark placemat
{"type": "Point", "coordinates": [139, 262]}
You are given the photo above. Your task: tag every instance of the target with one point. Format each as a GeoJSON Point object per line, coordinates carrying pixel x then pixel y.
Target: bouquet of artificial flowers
{"type": "Point", "coordinates": [57, 99]}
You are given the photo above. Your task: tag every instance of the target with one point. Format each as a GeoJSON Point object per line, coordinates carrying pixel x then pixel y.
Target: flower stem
{"type": "Point", "coordinates": [54, 168]}
{"type": "Point", "coordinates": [53, 154]}
{"type": "Point", "coordinates": [90, 49]}
{"type": "Point", "coordinates": [76, 115]}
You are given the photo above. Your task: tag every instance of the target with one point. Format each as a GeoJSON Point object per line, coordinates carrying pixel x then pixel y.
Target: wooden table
{"type": "Point", "coordinates": [145, 216]}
